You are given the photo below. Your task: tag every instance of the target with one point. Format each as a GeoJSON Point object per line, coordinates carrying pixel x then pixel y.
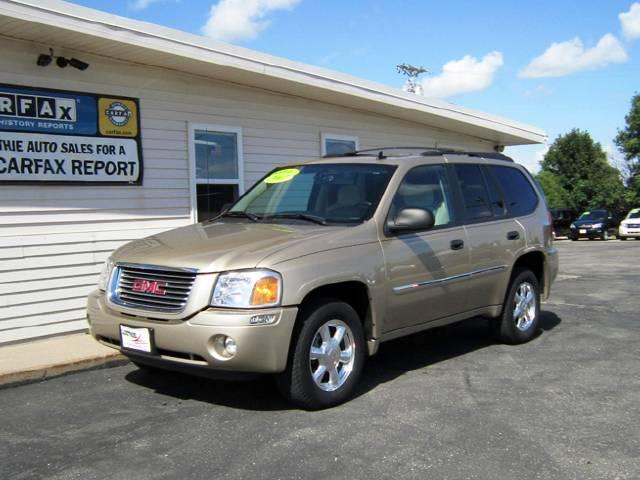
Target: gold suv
{"type": "Point", "coordinates": [320, 262]}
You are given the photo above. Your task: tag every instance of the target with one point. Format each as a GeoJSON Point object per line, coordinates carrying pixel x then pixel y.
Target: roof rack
{"type": "Point", "coordinates": [423, 151]}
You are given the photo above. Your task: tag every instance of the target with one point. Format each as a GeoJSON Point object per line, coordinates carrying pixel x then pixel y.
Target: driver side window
{"type": "Point", "coordinates": [426, 187]}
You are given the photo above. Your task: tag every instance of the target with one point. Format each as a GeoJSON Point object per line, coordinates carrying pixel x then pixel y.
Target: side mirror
{"type": "Point", "coordinates": [410, 219]}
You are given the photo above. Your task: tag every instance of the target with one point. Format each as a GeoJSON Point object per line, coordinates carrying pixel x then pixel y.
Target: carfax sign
{"type": "Point", "coordinates": [53, 136]}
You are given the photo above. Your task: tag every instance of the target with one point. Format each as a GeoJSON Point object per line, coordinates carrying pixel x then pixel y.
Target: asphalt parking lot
{"type": "Point", "coordinates": [445, 404]}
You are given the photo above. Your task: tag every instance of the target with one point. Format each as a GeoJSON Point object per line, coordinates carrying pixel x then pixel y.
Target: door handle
{"type": "Point", "coordinates": [513, 235]}
{"type": "Point", "coordinates": [457, 244]}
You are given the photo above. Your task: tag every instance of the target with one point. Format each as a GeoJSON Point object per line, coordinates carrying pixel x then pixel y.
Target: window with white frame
{"type": "Point", "coordinates": [216, 154]}
{"type": "Point", "coordinates": [334, 144]}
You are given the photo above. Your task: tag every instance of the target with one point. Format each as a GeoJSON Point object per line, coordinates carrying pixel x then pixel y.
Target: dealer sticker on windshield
{"type": "Point", "coordinates": [135, 338]}
{"type": "Point", "coordinates": [282, 176]}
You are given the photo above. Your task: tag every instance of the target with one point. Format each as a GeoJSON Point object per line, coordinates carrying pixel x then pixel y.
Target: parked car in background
{"type": "Point", "coordinates": [562, 220]}
{"type": "Point", "coordinates": [596, 223]}
{"type": "Point", "coordinates": [630, 226]}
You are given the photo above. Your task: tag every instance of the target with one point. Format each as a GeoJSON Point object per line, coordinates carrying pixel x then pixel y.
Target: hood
{"type": "Point", "coordinates": [589, 222]}
{"type": "Point", "coordinates": [227, 245]}
{"type": "Point", "coordinates": [633, 221]}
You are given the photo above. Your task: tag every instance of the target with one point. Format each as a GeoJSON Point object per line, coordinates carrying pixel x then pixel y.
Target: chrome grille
{"type": "Point", "coordinates": [152, 288]}
{"type": "Point", "coordinates": [633, 225]}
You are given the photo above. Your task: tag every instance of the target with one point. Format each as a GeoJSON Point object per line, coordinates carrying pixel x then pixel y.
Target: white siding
{"type": "Point", "coordinates": [53, 239]}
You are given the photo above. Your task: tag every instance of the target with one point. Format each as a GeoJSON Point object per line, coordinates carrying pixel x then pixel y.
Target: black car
{"type": "Point", "coordinates": [562, 220]}
{"type": "Point", "coordinates": [597, 223]}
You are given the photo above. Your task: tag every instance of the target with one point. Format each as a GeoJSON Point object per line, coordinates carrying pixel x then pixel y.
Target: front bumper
{"type": "Point", "coordinates": [260, 348]}
{"type": "Point", "coordinates": [629, 232]}
{"type": "Point", "coordinates": [587, 232]}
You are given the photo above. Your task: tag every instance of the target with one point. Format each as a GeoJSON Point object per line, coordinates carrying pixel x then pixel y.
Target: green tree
{"type": "Point", "coordinates": [628, 142]}
{"type": "Point", "coordinates": [557, 197]}
{"type": "Point", "coordinates": [582, 170]}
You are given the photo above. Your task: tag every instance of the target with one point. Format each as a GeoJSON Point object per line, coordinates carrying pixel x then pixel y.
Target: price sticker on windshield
{"type": "Point", "coordinates": [282, 176]}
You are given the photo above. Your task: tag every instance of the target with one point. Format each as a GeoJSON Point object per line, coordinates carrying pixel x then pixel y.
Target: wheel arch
{"type": "Point", "coordinates": [534, 261]}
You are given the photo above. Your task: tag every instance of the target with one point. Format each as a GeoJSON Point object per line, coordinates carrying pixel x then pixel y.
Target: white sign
{"type": "Point", "coordinates": [135, 338]}
{"type": "Point", "coordinates": [36, 157]}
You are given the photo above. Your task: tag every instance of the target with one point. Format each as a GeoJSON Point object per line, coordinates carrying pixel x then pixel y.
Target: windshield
{"type": "Point", "coordinates": [634, 214]}
{"type": "Point", "coordinates": [593, 215]}
{"type": "Point", "coordinates": [333, 193]}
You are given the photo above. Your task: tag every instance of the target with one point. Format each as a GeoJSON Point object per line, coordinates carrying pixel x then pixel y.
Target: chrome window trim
{"type": "Point", "coordinates": [428, 283]}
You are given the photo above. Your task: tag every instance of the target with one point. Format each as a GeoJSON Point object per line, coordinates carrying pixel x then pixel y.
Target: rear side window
{"type": "Point", "coordinates": [477, 203]}
{"type": "Point", "coordinates": [520, 195]}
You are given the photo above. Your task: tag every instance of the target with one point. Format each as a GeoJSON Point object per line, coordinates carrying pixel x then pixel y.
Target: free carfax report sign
{"type": "Point", "coordinates": [53, 136]}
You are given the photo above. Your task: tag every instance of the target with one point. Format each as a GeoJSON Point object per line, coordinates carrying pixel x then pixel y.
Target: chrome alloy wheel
{"type": "Point", "coordinates": [332, 355]}
{"type": "Point", "coordinates": [524, 306]}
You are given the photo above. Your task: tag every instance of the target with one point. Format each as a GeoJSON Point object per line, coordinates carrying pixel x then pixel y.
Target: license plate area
{"type": "Point", "coordinates": [137, 339]}
{"type": "Point", "coordinates": [582, 230]}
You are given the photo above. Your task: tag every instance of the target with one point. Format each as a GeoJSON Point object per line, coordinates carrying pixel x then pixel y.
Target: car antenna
{"type": "Point", "coordinates": [381, 155]}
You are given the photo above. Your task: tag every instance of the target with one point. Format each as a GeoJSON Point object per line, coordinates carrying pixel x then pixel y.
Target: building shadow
{"type": "Point", "coordinates": [394, 359]}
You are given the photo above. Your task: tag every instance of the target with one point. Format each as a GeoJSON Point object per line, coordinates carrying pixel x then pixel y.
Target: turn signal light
{"type": "Point", "coordinates": [265, 291]}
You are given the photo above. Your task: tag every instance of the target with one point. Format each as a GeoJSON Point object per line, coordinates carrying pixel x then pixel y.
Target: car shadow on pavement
{"type": "Point", "coordinates": [424, 349]}
{"type": "Point", "coordinates": [394, 358]}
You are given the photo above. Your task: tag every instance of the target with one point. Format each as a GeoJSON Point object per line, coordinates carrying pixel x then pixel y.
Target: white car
{"type": "Point", "coordinates": [630, 226]}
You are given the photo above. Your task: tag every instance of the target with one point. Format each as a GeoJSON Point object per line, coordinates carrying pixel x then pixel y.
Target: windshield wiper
{"type": "Point", "coordinates": [239, 213]}
{"type": "Point", "coordinates": [299, 216]}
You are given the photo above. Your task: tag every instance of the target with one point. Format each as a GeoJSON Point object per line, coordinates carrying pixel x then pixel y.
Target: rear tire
{"type": "Point", "coordinates": [521, 310]}
{"type": "Point", "coordinates": [326, 358]}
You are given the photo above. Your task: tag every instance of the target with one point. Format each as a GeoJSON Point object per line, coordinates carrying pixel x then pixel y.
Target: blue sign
{"type": "Point", "coordinates": [30, 110]}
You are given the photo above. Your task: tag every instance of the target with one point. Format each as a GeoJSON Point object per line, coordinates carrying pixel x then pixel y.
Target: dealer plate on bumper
{"type": "Point", "coordinates": [139, 339]}
{"type": "Point", "coordinates": [582, 230]}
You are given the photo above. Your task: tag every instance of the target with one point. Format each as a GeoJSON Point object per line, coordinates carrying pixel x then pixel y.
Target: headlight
{"type": "Point", "coordinates": [247, 288]}
{"type": "Point", "coordinates": [596, 225]}
{"type": "Point", "coordinates": [573, 225]}
{"type": "Point", "coordinates": [105, 275]}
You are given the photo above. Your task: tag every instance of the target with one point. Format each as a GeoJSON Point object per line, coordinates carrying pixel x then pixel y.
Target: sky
{"type": "Point", "coordinates": [556, 65]}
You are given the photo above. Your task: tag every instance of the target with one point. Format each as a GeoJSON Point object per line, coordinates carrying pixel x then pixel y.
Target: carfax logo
{"type": "Point", "coordinates": [38, 107]}
{"type": "Point", "coordinates": [118, 114]}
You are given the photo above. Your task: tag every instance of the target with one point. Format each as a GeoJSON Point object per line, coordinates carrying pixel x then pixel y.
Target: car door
{"type": "Point", "coordinates": [494, 237]}
{"type": "Point", "coordinates": [423, 268]}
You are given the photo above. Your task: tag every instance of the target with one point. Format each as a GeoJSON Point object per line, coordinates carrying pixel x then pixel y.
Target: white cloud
{"type": "Point", "coordinates": [528, 155]}
{"type": "Point", "coordinates": [630, 22]}
{"type": "Point", "coordinates": [565, 58]}
{"type": "Point", "coordinates": [141, 4]}
{"type": "Point", "coordinates": [462, 76]}
{"type": "Point", "coordinates": [231, 20]}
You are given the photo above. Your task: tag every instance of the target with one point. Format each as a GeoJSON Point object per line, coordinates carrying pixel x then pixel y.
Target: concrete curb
{"type": "Point", "coordinates": [49, 358]}
{"type": "Point", "coordinates": [32, 376]}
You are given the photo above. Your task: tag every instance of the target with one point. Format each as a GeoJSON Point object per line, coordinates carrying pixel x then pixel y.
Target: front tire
{"type": "Point", "coordinates": [622, 238]}
{"type": "Point", "coordinates": [605, 235]}
{"type": "Point", "coordinates": [521, 310]}
{"type": "Point", "coordinates": [327, 356]}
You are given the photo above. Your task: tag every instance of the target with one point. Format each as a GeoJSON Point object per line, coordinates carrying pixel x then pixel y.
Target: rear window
{"type": "Point", "coordinates": [520, 196]}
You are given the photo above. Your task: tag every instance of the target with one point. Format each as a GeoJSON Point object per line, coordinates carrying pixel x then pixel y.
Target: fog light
{"type": "Point", "coordinates": [230, 346]}
{"type": "Point", "coordinates": [263, 319]}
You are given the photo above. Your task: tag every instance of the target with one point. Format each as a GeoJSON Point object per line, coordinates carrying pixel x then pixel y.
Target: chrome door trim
{"type": "Point", "coordinates": [428, 283]}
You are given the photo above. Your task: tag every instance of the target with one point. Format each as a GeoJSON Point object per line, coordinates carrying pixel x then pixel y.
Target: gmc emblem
{"type": "Point", "coordinates": [147, 286]}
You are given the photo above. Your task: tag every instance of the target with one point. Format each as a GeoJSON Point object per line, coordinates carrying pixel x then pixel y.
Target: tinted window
{"type": "Point", "coordinates": [428, 188]}
{"type": "Point", "coordinates": [477, 203]}
{"type": "Point", "coordinates": [520, 195]}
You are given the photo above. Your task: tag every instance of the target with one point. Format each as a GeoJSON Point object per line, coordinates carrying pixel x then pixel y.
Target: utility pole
{"type": "Point", "coordinates": [412, 72]}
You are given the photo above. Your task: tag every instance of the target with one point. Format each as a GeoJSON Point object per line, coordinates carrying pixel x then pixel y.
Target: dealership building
{"type": "Point", "coordinates": [113, 129]}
